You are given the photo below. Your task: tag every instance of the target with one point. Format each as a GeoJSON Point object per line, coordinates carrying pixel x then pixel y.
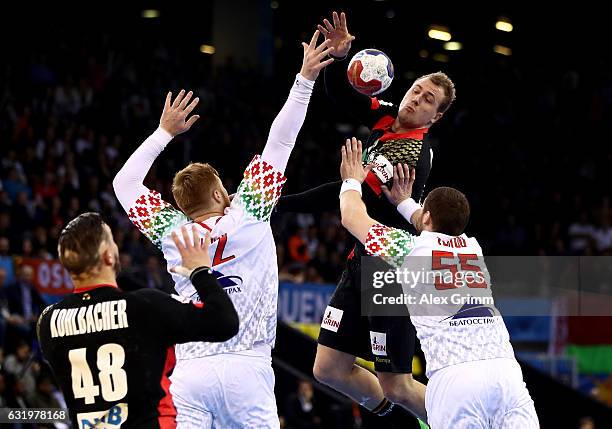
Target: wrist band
{"type": "Point", "coordinates": [350, 185]}
{"type": "Point", "coordinates": [198, 270]}
{"type": "Point", "coordinates": [407, 208]}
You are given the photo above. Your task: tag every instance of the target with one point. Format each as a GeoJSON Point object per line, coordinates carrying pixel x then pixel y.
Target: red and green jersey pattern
{"type": "Point", "coordinates": [391, 244]}
{"type": "Point", "coordinates": [154, 217]}
{"type": "Point", "coordinates": [260, 189]}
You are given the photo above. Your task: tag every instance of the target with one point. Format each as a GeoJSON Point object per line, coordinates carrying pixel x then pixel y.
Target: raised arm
{"type": "Point", "coordinates": [145, 207]}
{"type": "Point", "coordinates": [391, 244]}
{"type": "Point", "coordinates": [289, 121]}
{"type": "Point", "coordinates": [337, 87]}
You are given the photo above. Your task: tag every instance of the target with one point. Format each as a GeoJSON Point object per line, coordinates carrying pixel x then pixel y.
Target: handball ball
{"type": "Point", "coordinates": [370, 72]}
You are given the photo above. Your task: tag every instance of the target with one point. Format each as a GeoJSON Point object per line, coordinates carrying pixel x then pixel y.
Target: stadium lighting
{"type": "Point", "coordinates": [503, 24]}
{"type": "Point", "coordinates": [441, 58]}
{"type": "Point", "coordinates": [150, 13]}
{"type": "Point", "coordinates": [439, 33]}
{"type": "Point", "coordinates": [503, 50]}
{"type": "Point", "coordinates": [207, 49]}
{"type": "Point", "coordinates": [423, 53]}
{"type": "Point", "coordinates": [453, 46]}
{"type": "Point", "coordinates": [274, 5]}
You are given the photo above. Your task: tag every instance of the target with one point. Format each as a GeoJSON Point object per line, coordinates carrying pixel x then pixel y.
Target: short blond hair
{"type": "Point", "coordinates": [193, 185]}
{"type": "Point", "coordinates": [443, 81]}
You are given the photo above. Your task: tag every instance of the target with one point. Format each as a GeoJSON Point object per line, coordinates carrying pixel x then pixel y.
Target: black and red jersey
{"type": "Point", "coordinates": [112, 351]}
{"type": "Point", "coordinates": [407, 148]}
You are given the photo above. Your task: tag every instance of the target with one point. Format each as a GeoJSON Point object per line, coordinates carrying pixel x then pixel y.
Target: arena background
{"type": "Point", "coordinates": [528, 141]}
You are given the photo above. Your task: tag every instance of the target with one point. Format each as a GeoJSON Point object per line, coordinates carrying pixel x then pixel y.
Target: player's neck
{"type": "Point", "coordinates": [99, 279]}
{"type": "Point", "coordinates": [397, 127]}
{"type": "Point", "coordinates": [201, 217]}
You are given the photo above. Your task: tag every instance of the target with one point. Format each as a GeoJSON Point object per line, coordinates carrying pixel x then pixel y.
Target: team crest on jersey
{"type": "Point", "coordinates": [332, 318]}
{"type": "Point", "coordinates": [379, 343]}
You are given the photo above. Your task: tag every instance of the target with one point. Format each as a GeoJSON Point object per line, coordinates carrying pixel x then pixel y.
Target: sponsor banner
{"type": "Point", "coordinates": [50, 277]}
{"type": "Point", "coordinates": [303, 303]}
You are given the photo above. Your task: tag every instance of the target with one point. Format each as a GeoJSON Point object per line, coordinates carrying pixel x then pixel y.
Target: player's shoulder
{"type": "Point", "coordinates": [147, 295]}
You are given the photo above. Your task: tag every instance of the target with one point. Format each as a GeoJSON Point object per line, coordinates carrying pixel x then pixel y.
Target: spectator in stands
{"type": "Point", "coordinates": [580, 234]}
{"type": "Point", "coordinates": [301, 409]}
{"type": "Point", "coordinates": [6, 261]}
{"type": "Point", "coordinates": [23, 368]}
{"type": "Point", "coordinates": [297, 247]}
{"type": "Point", "coordinates": [44, 396]}
{"type": "Point", "coordinates": [603, 235]}
{"type": "Point", "coordinates": [24, 303]}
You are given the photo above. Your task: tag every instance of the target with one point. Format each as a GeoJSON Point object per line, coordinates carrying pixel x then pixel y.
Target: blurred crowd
{"type": "Point", "coordinates": [531, 159]}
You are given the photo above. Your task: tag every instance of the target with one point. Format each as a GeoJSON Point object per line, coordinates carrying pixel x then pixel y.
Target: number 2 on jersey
{"type": "Point", "coordinates": [113, 379]}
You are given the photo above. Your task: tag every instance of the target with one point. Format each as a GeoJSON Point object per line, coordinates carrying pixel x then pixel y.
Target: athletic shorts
{"type": "Point", "coordinates": [225, 391]}
{"type": "Point", "coordinates": [483, 394]}
{"type": "Point", "coordinates": [387, 341]}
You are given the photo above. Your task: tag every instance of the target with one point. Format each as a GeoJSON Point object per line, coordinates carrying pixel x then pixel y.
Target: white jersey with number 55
{"type": "Point", "coordinates": [451, 304]}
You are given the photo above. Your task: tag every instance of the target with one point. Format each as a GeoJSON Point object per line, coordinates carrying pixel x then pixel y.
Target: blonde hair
{"type": "Point", "coordinates": [193, 185]}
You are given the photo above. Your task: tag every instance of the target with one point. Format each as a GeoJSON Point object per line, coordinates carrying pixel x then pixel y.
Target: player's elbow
{"type": "Point", "coordinates": [349, 219]}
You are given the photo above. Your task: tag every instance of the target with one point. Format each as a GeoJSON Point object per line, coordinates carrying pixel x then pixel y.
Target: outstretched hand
{"type": "Point", "coordinates": [338, 34]}
{"type": "Point", "coordinates": [351, 166]}
{"type": "Point", "coordinates": [174, 117]}
{"type": "Point", "coordinates": [194, 251]}
{"type": "Point", "coordinates": [313, 54]}
{"type": "Point", "coordinates": [403, 179]}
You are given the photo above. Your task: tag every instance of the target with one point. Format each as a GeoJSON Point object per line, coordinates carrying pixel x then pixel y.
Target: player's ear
{"type": "Point", "coordinates": [218, 196]}
{"type": "Point", "coordinates": [426, 220]}
{"type": "Point", "coordinates": [436, 118]}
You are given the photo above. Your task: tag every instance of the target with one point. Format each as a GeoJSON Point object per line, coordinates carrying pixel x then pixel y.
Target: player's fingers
{"type": "Point", "coordinates": [305, 46]}
{"type": "Point", "coordinates": [352, 38]}
{"type": "Point", "coordinates": [192, 105]}
{"type": "Point", "coordinates": [313, 41]}
{"type": "Point", "coordinates": [186, 240]}
{"type": "Point", "coordinates": [400, 172]}
{"type": "Point", "coordinates": [322, 46]}
{"type": "Point", "coordinates": [354, 146]}
{"type": "Point", "coordinates": [328, 25]}
{"type": "Point", "coordinates": [368, 168]}
{"type": "Point", "coordinates": [325, 53]}
{"type": "Point", "coordinates": [386, 191]}
{"type": "Point", "coordinates": [195, 236]}
{"type": "Point", "coordinates": [177, 241]}
{"type": "Point", "coordinates": [336, 19]}
{"type": "Point", "coordinates": [192, 121]}
{"type": "Point", "coordinates": [185, 100]}
{"type": "Point", "coordinates": [407, 172]}
{"type": "Point", "coordinates": [178, 98]}
{"type": "Point", "coordinates": [323, 30]}
{"type": "Point", "coordinates": [324, 64]}
{"type": "Point", "coordinates": [412, 174]}
{"type": "Point", "coordinates": [343, 152]}
{"type": "Point", "coordinates": [207, 240]}
{"type": "Point", "coordinates": [343, 21]}
{"type": "Point", "coordinates": [167, 102]}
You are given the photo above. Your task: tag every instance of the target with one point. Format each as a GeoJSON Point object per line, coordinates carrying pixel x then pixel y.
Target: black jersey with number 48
{"type": "Point", "coordinates": [112, 351]}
